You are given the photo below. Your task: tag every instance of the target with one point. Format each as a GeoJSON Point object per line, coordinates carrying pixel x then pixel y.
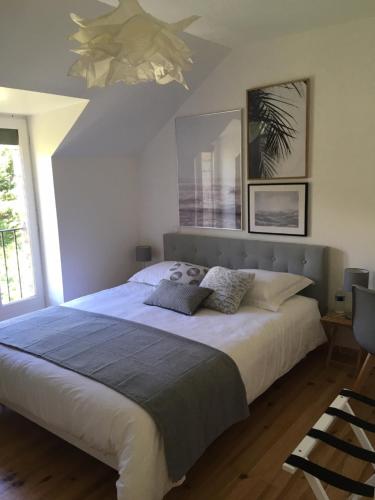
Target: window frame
{"type": "Point", "coordinates": [37, 301]}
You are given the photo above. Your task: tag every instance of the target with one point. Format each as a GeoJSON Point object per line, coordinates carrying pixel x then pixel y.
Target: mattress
{"type": "Point", "coordinates": [264, 345]}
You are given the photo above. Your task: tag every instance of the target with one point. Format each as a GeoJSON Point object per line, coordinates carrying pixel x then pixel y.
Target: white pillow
{"type": "Point", "coordinates": [152, 275]}
{"type": "Point", "coordinates": [271, 289]}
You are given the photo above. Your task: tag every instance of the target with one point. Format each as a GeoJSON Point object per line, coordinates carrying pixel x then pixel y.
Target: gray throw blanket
{"type": "Point", "coordinates": [192, 391]}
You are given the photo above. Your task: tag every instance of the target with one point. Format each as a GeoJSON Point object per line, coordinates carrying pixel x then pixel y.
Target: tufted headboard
{"type": "Point", "coordinates": [236, 253]}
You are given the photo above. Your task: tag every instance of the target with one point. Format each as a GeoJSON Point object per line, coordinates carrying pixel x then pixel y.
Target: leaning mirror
{"type": "Point", "coordinates": [210, 170]}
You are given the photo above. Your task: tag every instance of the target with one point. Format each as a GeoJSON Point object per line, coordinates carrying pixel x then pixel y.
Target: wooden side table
{"type": "Point", "coordinates": [339, 330]}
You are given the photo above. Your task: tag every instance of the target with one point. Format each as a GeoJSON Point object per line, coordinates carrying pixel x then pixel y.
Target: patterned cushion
{"type": "Point", "coordinates": [229, 288]}
{"type": "Point", "coordinates": [178, 297]}
{"type": "Point", "coordinates": [185, 273]}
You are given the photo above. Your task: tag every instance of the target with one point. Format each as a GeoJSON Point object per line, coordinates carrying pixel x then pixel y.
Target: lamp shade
{"type": "Point", "coordinates": [143, 253]}
{"type": "Point", "coordinates": [355, 276]}
{"type": "Point", "coordinates": [129, 45]}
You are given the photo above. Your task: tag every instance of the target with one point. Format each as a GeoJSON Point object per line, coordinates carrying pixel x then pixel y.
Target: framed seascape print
{"type": "Point", "coordinates": [277, 131]}
{"type": "Point", "coordinates": [209, 158]}
{"type": "Point", "coordinates": [278, 209]}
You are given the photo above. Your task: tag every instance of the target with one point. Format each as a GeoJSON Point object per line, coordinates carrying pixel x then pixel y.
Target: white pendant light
{"type": "Point", "coordinates": [131, 46]}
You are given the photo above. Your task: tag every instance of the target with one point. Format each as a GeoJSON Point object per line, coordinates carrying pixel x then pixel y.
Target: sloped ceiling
{"type": "Point", "coordinates": [26, 102]}
{"type": "Point", "coordinates": [118, 121]}
{"type": "Point", "coordinates": [232, 22]}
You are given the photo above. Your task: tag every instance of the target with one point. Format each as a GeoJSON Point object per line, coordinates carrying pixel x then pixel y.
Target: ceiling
{"type": "Point", "coordinates": [232, 22]}
{"type": "Point", "coordinates": [24, 102]}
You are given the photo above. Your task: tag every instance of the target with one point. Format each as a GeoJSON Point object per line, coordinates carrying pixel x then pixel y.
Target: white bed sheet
{"type": "Point", "coordinates": [264, 344]}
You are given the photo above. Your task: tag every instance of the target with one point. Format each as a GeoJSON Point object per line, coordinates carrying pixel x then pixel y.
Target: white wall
{"type": "Point", "coordinates": [47, 130]}
{"type": "Point", "coordinates": [340, 61]}
{"type": "Point", "coordinates": [96, 204]}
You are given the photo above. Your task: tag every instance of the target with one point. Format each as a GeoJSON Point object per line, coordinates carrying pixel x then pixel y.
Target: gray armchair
{"type": "Point", "coordinates": [364, 327]}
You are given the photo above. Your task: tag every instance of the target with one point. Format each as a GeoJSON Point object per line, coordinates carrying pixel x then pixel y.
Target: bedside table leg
{"type": "Point", "coordinates": [331, 335]}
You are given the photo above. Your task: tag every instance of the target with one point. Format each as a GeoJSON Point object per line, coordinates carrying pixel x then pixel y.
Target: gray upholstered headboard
{"type": "Point", "coordinates": [236, 253]}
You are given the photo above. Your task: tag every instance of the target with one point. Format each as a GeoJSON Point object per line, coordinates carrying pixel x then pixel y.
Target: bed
{"type": "Point", "coordinates": [107, 425]}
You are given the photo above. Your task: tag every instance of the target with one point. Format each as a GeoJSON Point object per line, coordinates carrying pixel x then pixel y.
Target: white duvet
{"type": "Point", "coordinates": [264, 344]}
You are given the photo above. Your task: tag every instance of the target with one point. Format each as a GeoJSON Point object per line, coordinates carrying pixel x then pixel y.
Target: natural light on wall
{"type": "Point", "coordinates": [3, 94]}
{"type": "Point", "coordinates": [131, 46]}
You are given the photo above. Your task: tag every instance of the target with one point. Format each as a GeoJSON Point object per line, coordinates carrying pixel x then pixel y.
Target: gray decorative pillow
{"type": "Point", "coordinates": [229, 288]}
{"type": "Point", "coordinates": [186, 273]}
{"type": "Point", "coordinates": [178, 297]}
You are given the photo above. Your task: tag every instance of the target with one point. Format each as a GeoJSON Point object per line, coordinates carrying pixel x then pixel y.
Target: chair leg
{"type": "Point", "coordinates": [317, 487]}
{"type": "Point", "coordinates": [363, 374]}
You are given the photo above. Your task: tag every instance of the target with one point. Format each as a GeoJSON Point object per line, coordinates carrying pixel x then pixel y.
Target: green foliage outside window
{"type": "Point", "coordinates": [9, 218]}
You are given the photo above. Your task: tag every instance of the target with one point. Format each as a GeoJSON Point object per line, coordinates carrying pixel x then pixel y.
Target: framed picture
{"type": "Point", "coordinates": [278, 208]}
{"type": "Point", "coordinates": [209, 158]}
{"type": "Point", "coordinates": [277, 119]}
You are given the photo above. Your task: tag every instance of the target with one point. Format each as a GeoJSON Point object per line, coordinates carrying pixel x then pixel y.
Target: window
{"type": "Point", "coordinates": [20, 277]}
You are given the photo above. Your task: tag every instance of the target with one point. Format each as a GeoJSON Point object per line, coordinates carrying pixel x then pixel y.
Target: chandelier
{"type": "Point", "coordinates": [131, 46]}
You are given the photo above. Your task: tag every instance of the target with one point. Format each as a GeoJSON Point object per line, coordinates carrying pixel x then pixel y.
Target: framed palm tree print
{"type": "Point", "coordinates": [277, 131]}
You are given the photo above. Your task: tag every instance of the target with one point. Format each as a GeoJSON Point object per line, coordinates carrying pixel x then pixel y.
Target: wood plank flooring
{"type": "Point", "coordinates": [244, 463]}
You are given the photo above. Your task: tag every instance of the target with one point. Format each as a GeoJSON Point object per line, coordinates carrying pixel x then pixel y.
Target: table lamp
{"type": "Point", "coordinates": [353, 276]}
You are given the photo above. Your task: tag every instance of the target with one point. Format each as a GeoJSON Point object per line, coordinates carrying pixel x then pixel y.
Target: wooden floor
{"type": "Point", "coordinates": [245, 463]}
